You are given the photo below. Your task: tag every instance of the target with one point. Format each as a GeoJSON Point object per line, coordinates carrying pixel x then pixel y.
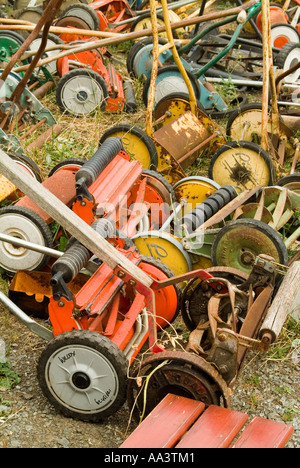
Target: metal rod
{"type": "Point", "coordinates": [203, 143]}
{"type": "Point", "coordinates": [178, 208]}
{"type": "Point", "coordinates": [33, 326]}
{"type": "Point", "coordinates": [286, 103]}
{"type": "Point", "coordinates": [256, 84]}
{"type": "Point", "coordinates": [266, 85]}
{"type": "Point", "coordinates": [30, 245]}
{"type": "Point", "coordinates": [135, 35]}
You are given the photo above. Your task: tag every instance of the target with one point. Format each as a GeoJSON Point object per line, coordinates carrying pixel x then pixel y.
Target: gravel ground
{"type": "Point", "coordinates": [265, 388]}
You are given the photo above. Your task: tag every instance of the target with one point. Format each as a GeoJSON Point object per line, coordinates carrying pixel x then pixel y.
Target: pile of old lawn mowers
{"type": "Point", "coordinates": [104, 256]}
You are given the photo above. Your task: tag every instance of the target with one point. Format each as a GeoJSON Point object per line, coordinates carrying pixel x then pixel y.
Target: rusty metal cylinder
{"type": "Point", "coordinates": [40, 92]}
{"type": "Point", "coordinates": [77, 255]}
{"type": "Point", "coordinates": [131, 104]}
{"type": "Point", "coordinates": [89, 172]}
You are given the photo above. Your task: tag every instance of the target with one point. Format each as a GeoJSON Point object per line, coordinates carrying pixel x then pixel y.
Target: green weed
{"type": "Point", "coordinates": [8, 378]}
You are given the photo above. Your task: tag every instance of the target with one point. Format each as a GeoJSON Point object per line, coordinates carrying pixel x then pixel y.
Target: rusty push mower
{"type": "Point", "coordinates": [223, 327]}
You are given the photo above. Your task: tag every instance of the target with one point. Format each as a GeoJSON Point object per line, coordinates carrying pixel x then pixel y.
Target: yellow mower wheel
{"type": "Point", "coordinates": [166, 248]}
{"type": "Point", "coordinates": [136, 143]}
{"type": "Point", "coordinates": [194, 190]}
{"type": "Point", "coordinates": [242, 164]}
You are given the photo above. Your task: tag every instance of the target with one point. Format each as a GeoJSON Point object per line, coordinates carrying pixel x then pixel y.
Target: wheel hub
{"type": "Point", "coordinates": [177, 372]}
{"type": "Point", "coordinates": [240, 173]}
{"type": "Point", "coordinates": [82, 95]}
{"type": "Point", "coordinates": [81, 380]}
{"type": "Point", "coordinates": [247, 258]}
{"type": "Point", "coordinates": [12, 249]}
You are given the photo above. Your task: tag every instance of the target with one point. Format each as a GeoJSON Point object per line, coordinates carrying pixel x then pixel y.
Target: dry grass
{"type": "Point", "coordinates": [79, 137]}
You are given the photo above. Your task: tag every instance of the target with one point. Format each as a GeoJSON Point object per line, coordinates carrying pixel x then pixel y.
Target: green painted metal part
{"type": "Point", "coordinates": [251, 13]}
{"type": "Point", "coordinates": [34, 109]}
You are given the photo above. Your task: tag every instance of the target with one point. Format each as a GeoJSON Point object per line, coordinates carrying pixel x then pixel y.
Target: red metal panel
{"type": "Point", "coordinates": [164, 426]}
{"type": "Point", "coordinates": [216, 428]}
{"type": "Point", "coordinates": [120, 336]}
{"type": "Point", "coordinates": [115, 183]}
{"type": "Point", "coordinates": [62, 185]}
{"type": "Point", "coordinates": [263, 433]}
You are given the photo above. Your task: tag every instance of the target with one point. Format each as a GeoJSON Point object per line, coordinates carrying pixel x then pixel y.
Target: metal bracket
{"type": "Point", "coordinates": [33, 108]}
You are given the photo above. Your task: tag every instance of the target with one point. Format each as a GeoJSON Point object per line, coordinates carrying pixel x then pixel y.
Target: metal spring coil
{"type": "Point", "coordinates": [208, 208]}
{"type": "Point", "coordinates": [77, 255]}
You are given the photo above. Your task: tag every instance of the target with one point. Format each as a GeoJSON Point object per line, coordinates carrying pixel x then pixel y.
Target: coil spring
{"type": "Point", "coordinates": [109, 149]}
{"type": "Point", "coordinates": [208, 208]}
{"type": "Point", "coordinates": [77, 255]}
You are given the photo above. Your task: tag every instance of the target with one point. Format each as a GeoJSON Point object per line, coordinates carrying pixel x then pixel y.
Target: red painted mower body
{"type": "Point", "coordinates": [93, 60]}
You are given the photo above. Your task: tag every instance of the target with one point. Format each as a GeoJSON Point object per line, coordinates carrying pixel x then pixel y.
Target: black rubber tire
{"type": "Point", "coordinates": [52, 37]}
{"type": "Point", "coordinates": [94, 23]}
{"type": "Point", "coordinates": [13, 35]}
{"type": "Point", "coordinates": [283, 55]}
{"type": "Point", "coordinates": [66, 162]}
{"type": "Point", "coordinates": [39, 223]}
{"type": "Point", "coordinates": [289, 179]}
{"type": "Point", "coordinates": [148, 15]}
{"type": "Point", "coordinates": [244, 144]}
{"type": "Point", "coordinates": [251, 224]}
{"type": "Point", "coordinates": [77, 72]}
{"type": "Point", "coordinates": [164, 181]}
{"type": "Point", "coordinates": [192, 77]}
{"type": "Point", "coordinates": [143, 136]}
{"type": "Point", "coordinates": [28, 162]}
{"type": "Point", "coordinates": [35, 10]}
{"type": "Point", "coordinates": [96, 342]}
{"type": "Point", "coordinates": [135, 49]}
{"type": "Point", "coordinates": [284, 52]}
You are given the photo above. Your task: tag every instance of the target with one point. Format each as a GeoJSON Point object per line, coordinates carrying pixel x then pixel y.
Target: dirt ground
{"type": "Point", "coordinates": [265, 388]}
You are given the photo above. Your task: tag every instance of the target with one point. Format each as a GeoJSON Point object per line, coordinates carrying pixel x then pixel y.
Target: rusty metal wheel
{"type": "Point", "coordinates": [239, 242]}
{"type": "Point", "coordinates": [177, 372]}
{"type": "Point", "coordinates": [195, 296]}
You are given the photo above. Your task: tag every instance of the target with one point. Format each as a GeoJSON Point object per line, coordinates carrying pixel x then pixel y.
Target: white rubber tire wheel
{"type": "Point", "coordinates": [24, 224]}
{"type": "Point", "coordinates": [282, 34]}
{"type": "Point", "coordinates": [83, 374]}
{"type": "Point", "coordinates": [81, 92]}
{"type": "Point", "coordinates": [287, 58]}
